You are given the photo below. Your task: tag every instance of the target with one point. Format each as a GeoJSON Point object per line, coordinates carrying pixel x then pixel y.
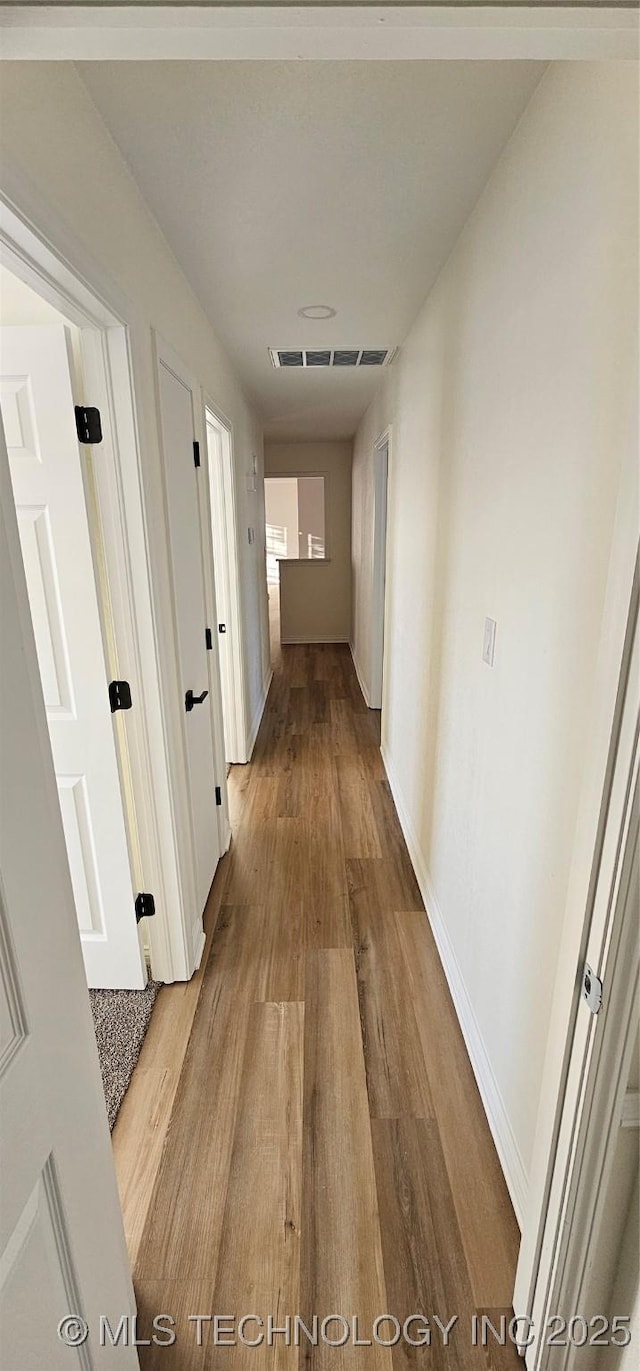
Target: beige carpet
{"type": "Point", "coordinates": [121, 1019]}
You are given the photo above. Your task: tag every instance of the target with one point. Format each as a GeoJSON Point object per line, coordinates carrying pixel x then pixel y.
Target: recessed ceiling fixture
{"type": "Point", "coordinates": [332, 357]}
{"type": "Point", "coordinates": [317, 312]}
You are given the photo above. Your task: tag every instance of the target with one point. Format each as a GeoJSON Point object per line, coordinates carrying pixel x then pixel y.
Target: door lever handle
{"type": "Point", "coordinates": [190, 699]}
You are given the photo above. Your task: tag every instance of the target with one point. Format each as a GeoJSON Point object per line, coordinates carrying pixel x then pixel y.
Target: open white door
{"type": "Point", "coordinates": [557, 1251]}
{"type": "Point", "coordinates": [37, 405]}
{"type": "Point", "coordinates": [62, 1249]}
{"type": "Point", "coordinates": [181, 473]}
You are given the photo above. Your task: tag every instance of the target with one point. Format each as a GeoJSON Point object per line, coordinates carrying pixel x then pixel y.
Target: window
{"type": "Point", "coordinates": [294, 507]}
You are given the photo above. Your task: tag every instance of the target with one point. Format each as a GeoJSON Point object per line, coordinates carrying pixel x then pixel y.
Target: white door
{"type": "Point", "coordinates": [62, 1249]}
{"type": "Point", "coordinates": [36, 399]}
{"type": "Point", "coordinates": [551, 1280]}
{"type": "Point", "coordinates": [181, 475]}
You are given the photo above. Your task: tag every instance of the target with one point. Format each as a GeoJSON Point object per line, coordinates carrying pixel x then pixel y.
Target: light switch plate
{"type": "Point", "coordinates": [489, 641]}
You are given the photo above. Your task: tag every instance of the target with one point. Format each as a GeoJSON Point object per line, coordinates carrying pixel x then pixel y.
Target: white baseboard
{"type": "Point", "coordinates": [311, 640]}
{"type": "Point", "coordinates": [257, 718]}
{"type": "Point", "coordinates": [503, 1136]}
{"type": "Point", "coordinates": [361, 683]}
{"type": "Point", "coordinates": [199, 940]}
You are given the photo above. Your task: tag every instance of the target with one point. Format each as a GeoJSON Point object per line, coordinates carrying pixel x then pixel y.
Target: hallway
{"type": "Point", "coordinates": [327, 1151]}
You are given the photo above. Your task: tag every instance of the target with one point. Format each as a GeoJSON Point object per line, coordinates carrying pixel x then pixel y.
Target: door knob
{"type": "Point", "coordinates": [190, 699]}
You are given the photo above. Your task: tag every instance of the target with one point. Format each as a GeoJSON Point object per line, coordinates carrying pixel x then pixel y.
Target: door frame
{"type": "Point", "coordinates": [601, 1046]}
{"type": "Point", "coordinates": [600, 832]}
{"type": "Point", "coordinates": [381, 466]}
{"type": "Point", "coordinates": [601, 1108]}
{"type": "Point", "coordinates": [128, 618]}
{"type": "Point", "coordinates": [224, 485]}
{"type": "Point", "coordinates": [166, 355]}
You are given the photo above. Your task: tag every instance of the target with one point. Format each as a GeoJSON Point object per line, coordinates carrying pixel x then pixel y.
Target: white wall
{"type": "Point", "coordinates": [512, 410]}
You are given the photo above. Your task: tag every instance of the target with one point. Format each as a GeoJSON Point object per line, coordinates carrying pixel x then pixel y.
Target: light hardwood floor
{"type": "Point", "coordinates": [303, 1133]}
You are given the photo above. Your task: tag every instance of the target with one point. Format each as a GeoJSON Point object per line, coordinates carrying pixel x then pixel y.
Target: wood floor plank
{"type": "Point", "coordinates": [341, 1257]}
{"type": "Point", "coordinates": [424, 1260]}
{"type": "Point", "coordinates": [343, 737]}
{"type": "Point", "coordinates": [360, 836]}
{"type": "Point", "coordinates": [182, 1300]}
{"type": "Point", "coordinates": [251, 853]}
{"type": "Point", "coordinates": [259, 1266]}
{"type": "Point", "coordinates": [328, 924]}
{"type": "Point", "coordinates": [484, 1212]}
{"type": "Point", "coordinates": [397, 1077]}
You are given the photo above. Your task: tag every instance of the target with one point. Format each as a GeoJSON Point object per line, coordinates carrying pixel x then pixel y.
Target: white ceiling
{"type": "Point", "coordinates": [280, 185]}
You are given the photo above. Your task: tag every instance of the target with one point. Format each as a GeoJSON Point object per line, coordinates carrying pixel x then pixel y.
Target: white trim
{"type": "Point", "coordinates": [225, 482]}
{"type": "Point", "coordinates": [257, 718]}
{"type": "Point", "coordinates": [576, 1223]}
{"type": "Point", "coordinates": [513, 1167]}
{"type": "Point", "coordinates": [200, 939]}
{"type": "Point", "coordinates": [166, 356]}
{"type": "Point", "coordinates": [85, 298]}
{"type": "Point", "coordinates": [318, 32]}
{"type": "Point", "coordinates": [595, 800]}
{"type": "Point", "coordinates": [311, 639]}
{"type": "Point", "coordinates": [379, 606]}
{"type": "Point", "coordinates": [600, 1047]}
{"type": "Point", "coordinates": [359, 676]}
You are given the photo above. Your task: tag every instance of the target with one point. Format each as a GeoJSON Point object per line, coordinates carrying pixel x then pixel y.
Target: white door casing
{"type": "Point", "coordinates": [62, 1248]}
{"type": "Point", "coordinates": [597, 845]}
{"type": "Point", "coordinates": [381, 474]}
{"type": "Point", "coordinates": [598, 1064]}
{"type": "Point", "coordinates": [36, 399]}
{"type": "Point", "coordinates": [177, 423]}
{"type": "Point", "coordinates": [227, 591]}
{"type": "Point", "coordinates": [220, 563]}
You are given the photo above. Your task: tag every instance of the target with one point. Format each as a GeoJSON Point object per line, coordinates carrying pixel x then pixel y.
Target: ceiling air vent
{"type": "Point", "coordinates": [372, 357]}
{"type": "Point", "coordinates": [332, 357]}
{"type": "Point", "coordinates": [290, 359]}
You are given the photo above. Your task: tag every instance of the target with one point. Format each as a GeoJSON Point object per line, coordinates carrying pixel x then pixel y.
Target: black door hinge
{"type": "Point", "coordinates": [196, 454]}
{"type": "Point", "coordinates": [208, 638]}
{"type": "Point", "coordinates": [218, 795]}
{"type": "Point", "coordinates": [119, 695]}
{"type": "Point", "coordinates": [222, 628]}
{"type": "Point", "coordinates": [145, 906]}
{"type": "Point", "coordinates": [88, 425]}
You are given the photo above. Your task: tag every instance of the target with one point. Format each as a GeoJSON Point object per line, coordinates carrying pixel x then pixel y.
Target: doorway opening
{"type": "Point", "coordinates": [228, 625]}
{"type": "Point", "coordinates": [294, 531]}
{"type": "Point", "coordinates": [53, 482]}
{"type": "Point", "coordinates": [54, 488]}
